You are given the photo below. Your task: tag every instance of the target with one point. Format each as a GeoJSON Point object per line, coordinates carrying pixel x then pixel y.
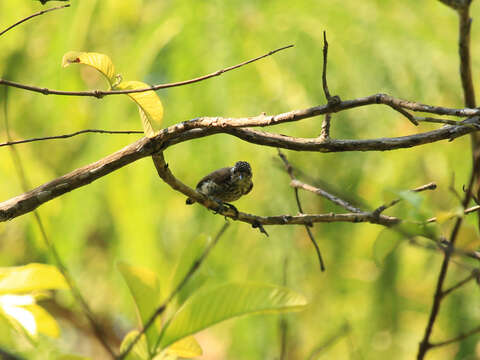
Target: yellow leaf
{"type": "Point", "coordinates": [31, 277]}
{"type": "Point", "coordinates": [46, 324]}
{"type": "Point", "coordinates": [100, 62]}
{"type": "Point", "coordinates": [150, 106]}
{"type": "Point", "coordinates": [187, 348]}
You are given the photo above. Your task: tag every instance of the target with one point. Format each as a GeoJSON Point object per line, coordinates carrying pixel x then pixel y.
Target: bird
{"type": "Point", "coordinates": [226, 184]}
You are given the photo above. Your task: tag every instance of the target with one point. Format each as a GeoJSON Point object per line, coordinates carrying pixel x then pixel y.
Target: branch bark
{"type": "Point", "coordinates": [202, 127]}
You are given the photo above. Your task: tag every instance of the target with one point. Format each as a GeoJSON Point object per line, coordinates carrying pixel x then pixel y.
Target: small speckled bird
{"type": "Point", "coordinates": [226, 184]}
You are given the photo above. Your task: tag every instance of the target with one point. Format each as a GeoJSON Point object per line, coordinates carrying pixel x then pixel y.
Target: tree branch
{"type": "Point", "coordinates": [32, 16]}
{"type": "Point", "coordinates": [101, 93]}
{"type": "Point", "coordinates": [202, 127]}
{"type": "Point", "coordinates": [65, 136]}
{"type": "Point", "coordinates": [289, 169]}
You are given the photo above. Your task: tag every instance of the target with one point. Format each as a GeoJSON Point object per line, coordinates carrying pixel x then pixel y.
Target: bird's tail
{"type": "Point", "coordinates": [189, 201]}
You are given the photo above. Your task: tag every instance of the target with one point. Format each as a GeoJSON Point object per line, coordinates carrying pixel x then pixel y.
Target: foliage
{"type": "Point", "coordinates": [377, 281]}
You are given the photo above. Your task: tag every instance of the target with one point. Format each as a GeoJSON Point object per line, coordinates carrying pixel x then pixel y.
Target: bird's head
{"type": "Point", "coordinates": [242, 169]}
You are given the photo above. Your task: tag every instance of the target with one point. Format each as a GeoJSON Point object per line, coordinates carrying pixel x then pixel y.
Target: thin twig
{"type": "Point", "coordinates": [458, 285]}
{"type": "Point", "coordinates": [102, 93]}
{"type": "Point", "coordinates": [316, 190]}
{"type": "Point", "coordinates": [437, 121]}
{"type": "Point", "coordinates": [425, 344]}
{"type": "Point", "coordinates": [9, 143]}
{"type": "Point", "coordinates": [324, 70]}
{"type": "Point", "coordinates": [429, 186]}
{"type": "Point", "coordinates": [469, 96]}
{"type": "Point", "coordinates": [405, 113]}
{"type": "Point", "coordinates": [32, 16]}
{"type": "Point", "coordinates": [325, 132]}
{"type": "Point", "coordinates": [457, 338]}
{"type": "Point", "coordinates": [289, 169]}
{"type": "Point", "coordinates": [193, 269]}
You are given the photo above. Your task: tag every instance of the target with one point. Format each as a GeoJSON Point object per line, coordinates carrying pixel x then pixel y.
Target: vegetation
{"type": "Point", "coordinates": [129, 236]}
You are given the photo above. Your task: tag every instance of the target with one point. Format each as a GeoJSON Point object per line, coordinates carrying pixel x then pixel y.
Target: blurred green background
{"type": "Point", "coordinates": [407, 49]}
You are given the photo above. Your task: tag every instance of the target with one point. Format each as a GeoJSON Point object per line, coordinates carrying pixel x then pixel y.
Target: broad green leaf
{"type": "Point", "coordinates": [31, 277]}
{"type": "Point", "coordinates": [100, 62]}
{"type": "Point", "coordinates": [145, 289]}
{"type": "Point", "coordinates": [150, 106]}
{"type": "Point", "coordinates": [140, 349]}
{"type": "Point", "coordinates": [189, 255]}
{"type": "Point", "coordinates": [211, 306]}
{"type": "Point", "coordinates": [187, 348]}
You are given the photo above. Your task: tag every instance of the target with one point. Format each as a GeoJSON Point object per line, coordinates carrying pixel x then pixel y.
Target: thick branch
{"type": "Point", "coordinates": [178, 133]}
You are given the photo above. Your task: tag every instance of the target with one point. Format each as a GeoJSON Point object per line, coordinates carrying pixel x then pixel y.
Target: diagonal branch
{"type": "Point", "coordinates": [32, 16]}
{"type": "Point", "coordinates": [101, 93]}
{"type": "Point", "coordinates": [186, 131]}
{"type": "Point", "coordinates": [65, 136]}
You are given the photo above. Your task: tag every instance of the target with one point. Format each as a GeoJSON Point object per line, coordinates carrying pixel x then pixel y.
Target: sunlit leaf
{"type": "Point", "coordinates": [211, 306]}
{"type": "Point", "coordinates": [100, 62]}
{"type": "Point", "coordinates": [140, 349]}
{"type": "Point", "coordinates": [46, 324]}
{"type": "Point", "coordinates": [187, 348]}
{"type": "Point", "coordinates": [150, 106]}
{"type": "Point", "coordinates": [145, 289]}
{"type": "Point", "coordinates": [31, 277]}
{"type": "Point", "coordinates": [21, 316]}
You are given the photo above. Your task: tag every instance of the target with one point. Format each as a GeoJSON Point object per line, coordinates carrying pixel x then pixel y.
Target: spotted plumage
{"type": "Point", "coordinates": [226, 184]}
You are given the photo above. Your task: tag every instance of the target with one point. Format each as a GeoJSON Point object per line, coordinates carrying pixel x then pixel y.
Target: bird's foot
{"type": "Point", "coordinates": [223, 206]}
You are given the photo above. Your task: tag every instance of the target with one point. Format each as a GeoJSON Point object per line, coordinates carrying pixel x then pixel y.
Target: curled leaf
{"type": "Point", "coordinates": [100, 62]}
{"type": "Point", "coordinates": [150, 106]}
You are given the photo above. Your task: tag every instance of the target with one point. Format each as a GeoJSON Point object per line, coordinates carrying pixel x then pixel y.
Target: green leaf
{"type": "Point", "coordinates": [145, 289]}
{"type": "Point", "coordinates": [150, 106]}
{"type": "Point", "coordinates": [140, 349]}
{"type": "Point", "coordinates": [31, 277]}
{"type": "Point", "coordinates": [189, 255]}
{"type": "Point", "coordinates": [100, 62]}
{"type": "Point", "coordinates": [187, 348]}
{"type": "Point", "coordinates": [211, 306]}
